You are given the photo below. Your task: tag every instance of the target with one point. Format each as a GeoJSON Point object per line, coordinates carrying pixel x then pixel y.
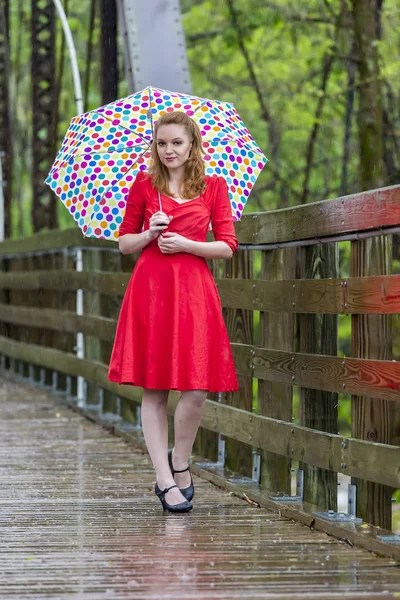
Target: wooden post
{"type": "Point", "coordinates": [91, 306]}
{"type": "Point", "coordinates": [240, 329]}
{"type": "Point", "coordinates": [110, 305]}
{"type": "Point", "coordinates": [275, 399]}
{"type": "Point", "coordinates": [206, 444]}
{"type": "Point", "coordinates": [319, 410]}
{"type": "Point", "coordinates": [372, 338]}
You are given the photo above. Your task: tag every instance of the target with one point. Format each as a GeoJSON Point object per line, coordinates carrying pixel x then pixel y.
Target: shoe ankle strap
{"type": "Point", "coordinates": [182, 470]}
{"type": "Point", "coordinates": [166, 490]}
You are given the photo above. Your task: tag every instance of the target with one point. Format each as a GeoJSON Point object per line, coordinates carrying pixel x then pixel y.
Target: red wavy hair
{"type": "Point", "coordinates": [193, 183]}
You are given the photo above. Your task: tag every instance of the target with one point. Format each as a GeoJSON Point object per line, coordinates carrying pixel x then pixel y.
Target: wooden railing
{"type": "Point", "coordinates": [297, 273]}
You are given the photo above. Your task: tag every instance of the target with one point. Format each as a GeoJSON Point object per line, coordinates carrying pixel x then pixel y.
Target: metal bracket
{"type": "Point", "coordinates": [96, 408]}
{"type": "Point", "coordinates": [256, 471]}
{"type": "Point", "coordinates": [125, 426]}
{"type": "Point", "coordinates": [390, 539]}
{"type": "Point", "coordinates": [299, 490]}
{"type": "Point", "coordinates": [352, 499]}
{"type": "Point", "coordinates": [338, 517]}
{"type": "Point", "coordinates": [220, 464]}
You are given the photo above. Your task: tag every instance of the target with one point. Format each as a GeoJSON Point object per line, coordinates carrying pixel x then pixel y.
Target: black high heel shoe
{"type": "Point", "coordinates": [173, 508]}
{"type": "Point", "coordinates": [188, 492]}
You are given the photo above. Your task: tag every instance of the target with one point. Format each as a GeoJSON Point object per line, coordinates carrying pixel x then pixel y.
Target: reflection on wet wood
{"type": "Point", "coordinates": [79, 520]}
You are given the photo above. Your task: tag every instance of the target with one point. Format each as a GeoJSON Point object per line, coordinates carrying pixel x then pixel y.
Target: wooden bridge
{"type": "Point", "coordinates": [311, 302]}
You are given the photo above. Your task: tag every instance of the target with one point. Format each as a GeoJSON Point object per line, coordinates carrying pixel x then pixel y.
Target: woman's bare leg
{"type": "Point", "coordinates": [155, 431]}
{"type": "Point", "coordinates": [187, 419]}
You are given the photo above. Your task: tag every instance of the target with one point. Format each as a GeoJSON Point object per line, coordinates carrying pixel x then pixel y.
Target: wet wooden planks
{"type": "Point", "coordinates": [78, 519]}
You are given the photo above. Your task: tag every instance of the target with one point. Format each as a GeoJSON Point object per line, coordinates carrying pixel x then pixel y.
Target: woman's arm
{"type": "Point", "coordinates": [209, 249]}
{"type": "Point", "coordinates": [134, 242]}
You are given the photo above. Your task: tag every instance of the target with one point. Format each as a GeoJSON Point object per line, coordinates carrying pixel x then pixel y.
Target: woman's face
{"type": "Point", "coordinates": [173, 145]}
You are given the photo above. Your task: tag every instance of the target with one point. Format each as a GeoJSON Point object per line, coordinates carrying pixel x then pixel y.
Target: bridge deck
{"type": "Point", "coordinates": [79, 520]}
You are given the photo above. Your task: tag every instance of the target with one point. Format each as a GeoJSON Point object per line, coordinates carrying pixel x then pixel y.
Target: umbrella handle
{"type": "Point", "coordinates": [159, 201]}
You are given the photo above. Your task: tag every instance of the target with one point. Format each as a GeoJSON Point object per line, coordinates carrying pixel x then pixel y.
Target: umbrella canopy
{"type": "Point", "coordinates": [105, 149]}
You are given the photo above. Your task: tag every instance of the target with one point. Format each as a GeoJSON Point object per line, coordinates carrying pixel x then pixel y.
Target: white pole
{"type": "Point", "coordinates": [72, 56]}
{"type": "Point", "coordinates": [80, 342]}
{"type": "Point", "coordinates": [80, 345]}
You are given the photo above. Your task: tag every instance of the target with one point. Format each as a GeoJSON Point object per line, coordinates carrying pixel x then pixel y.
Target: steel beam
{"type": "Point", "coordinates": [154, 45]}
{"type": "Point", "coordinates": [43, 69]}
{"type": "Point", "coordinates": [5, 121]}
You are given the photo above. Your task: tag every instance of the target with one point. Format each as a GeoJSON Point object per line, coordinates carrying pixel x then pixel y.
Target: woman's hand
{"type": "Point", "coordinates": [171, 243]}
{"type": "Point", "coordinates": [158, 223]}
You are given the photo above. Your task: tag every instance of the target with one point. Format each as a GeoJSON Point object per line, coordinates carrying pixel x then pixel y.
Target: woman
{"type": "Point", "coordinates": [171, 334]}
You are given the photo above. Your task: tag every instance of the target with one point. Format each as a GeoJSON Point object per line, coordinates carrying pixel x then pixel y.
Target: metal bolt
{"type": "Point", "coordinates": [292, 377]}
{"type": "Point", "coordinates": [343, 385]}
{"type": "Point", "coordinates": [250, 438]}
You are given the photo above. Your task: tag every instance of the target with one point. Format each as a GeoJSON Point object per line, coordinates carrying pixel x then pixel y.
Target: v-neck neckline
{"type": "Point", "coordinates": [180, 203]}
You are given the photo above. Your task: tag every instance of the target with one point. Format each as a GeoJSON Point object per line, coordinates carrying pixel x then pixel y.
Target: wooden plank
{"type": "Point", "coordinates": [380, 295]}
{"type": "Point", "coordinates": [324, 296]}
{"type": "Point", "coordinates": [239, 325]}
{"type": "Point", "coordinates": [110, 306]}
{"type": "Point", "coordinates": [91, 306]}
{"type": "Point", "coordinates": [66, 363]}
{"type": "Point", "coordinates": [51, 240]}
{"type": "Point", "coordinates": [373, 461]}
{"type": "Point", "coordinates": [274, 397]}
{"type": "Point", "coordinates": [206, 442]}
{"type": "Point", "coordinates": [236, 551]}
{"type": "Point", "coordinates": [363, 535]}
{"type": "Point", "coordinates": [58, 320]}
{"type": "Point", "coordinates": [4, 298]}
{"type": "Point", "coordinates": [105, 283]}
{"type": "Point", "coordinates": [358, 212]}
{"type": "Point", "coordinates": [372, 295]}
{"type": "Point", "coordinates": [290, 295]}
{"type": "Point", "coordinates": [371, 337]}
{"type": "Point", "coordinates": [318, 334]}
{"type": "Point", "coordinates": [377, 378]}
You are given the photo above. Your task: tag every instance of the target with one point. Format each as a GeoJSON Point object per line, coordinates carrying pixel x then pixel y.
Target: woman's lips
{"type": "Point", "coordinates": [170, 159]}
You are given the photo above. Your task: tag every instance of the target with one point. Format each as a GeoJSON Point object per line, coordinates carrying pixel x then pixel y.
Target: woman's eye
{"type": "Point", "coordinates": [178, 143]}
{"type": "Point", "coordinates": [160, 143]}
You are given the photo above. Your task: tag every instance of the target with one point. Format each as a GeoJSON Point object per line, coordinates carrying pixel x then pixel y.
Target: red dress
{"type": "Point", "coordinates": [171, 334]}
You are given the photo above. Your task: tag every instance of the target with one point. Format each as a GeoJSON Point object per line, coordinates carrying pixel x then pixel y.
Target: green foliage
{"type": "Point", "coordinates": [270, 63]}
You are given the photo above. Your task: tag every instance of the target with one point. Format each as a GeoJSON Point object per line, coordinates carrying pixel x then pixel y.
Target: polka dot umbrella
{"type": "Point", "coordinates": [105, 149]}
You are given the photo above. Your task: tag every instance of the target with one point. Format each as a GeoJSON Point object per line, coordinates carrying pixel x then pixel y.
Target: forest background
{"type": "Point", "coordinates": [290, 67]}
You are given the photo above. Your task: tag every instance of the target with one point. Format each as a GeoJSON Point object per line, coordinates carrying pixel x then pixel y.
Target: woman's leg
{"type": "Point", "coordinates": [155, 431]}
{"type": "Point", "coordinates": [187, 419]}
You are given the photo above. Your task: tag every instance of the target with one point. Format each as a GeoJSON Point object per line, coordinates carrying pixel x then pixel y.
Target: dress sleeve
{"type": "Point", "coordinates": [134, 213]}
{"type": "Point", "coordinates": [221, 216]}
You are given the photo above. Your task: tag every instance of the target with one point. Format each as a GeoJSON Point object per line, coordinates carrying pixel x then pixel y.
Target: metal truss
{"type": "Point", "coordinates": [5, 118]}
{"type": "Point", "coordinates": [43, 70]}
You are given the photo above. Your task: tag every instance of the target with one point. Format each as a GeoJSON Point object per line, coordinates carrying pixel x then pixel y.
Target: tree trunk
{"type": "Point", "coordinates": [370, 115]}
